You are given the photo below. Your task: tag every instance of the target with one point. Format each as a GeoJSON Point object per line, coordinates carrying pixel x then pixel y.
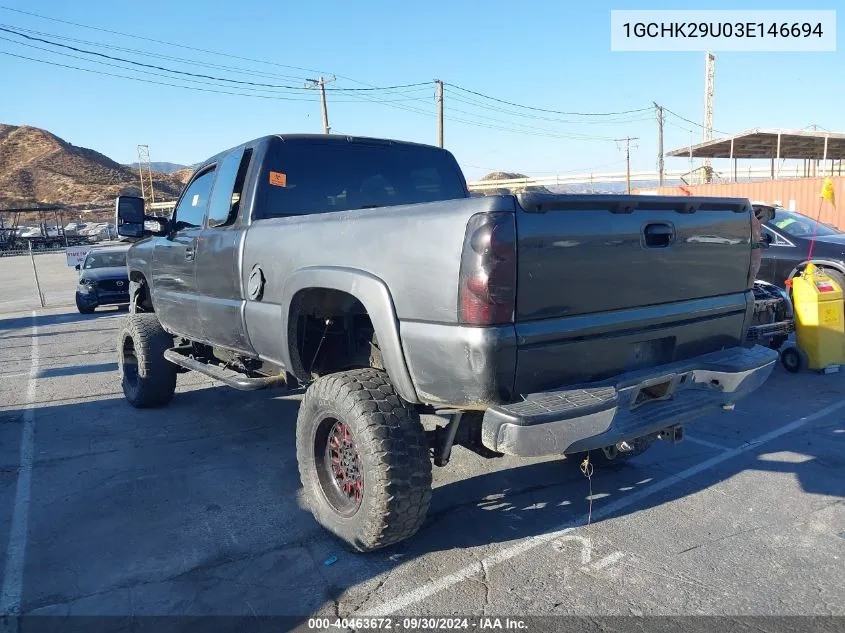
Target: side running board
{"type": "Point", "coordinates": [226, 376]}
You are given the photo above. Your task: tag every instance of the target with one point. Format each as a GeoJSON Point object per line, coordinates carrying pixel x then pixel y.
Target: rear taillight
{"type": "Point", "coordinates": [487, 284]}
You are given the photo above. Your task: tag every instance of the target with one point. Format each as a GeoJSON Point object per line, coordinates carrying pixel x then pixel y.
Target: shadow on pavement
{"type": "Point", "coordinates": [43, 320]}
{"type": "Point", "coordinates": [194, 509]}
{"type": "Point", "coordinates": [75, 370]}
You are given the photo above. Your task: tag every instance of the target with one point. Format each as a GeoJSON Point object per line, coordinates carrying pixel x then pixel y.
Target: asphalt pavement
{"type": "Point", "coordinates": [194, 509]}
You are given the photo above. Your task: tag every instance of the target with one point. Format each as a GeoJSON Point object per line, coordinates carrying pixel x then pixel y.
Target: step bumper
{"type": "Point", "coordinates": [587, 417]}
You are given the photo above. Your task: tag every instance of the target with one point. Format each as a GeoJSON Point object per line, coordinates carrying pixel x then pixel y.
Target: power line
{"type": "Point", "coordinates": [526, 115]}
{"type": "Point", "coordinates": [360, 96]}
{"type": "Point", "coordinates": [104, 63]}
{"type": "Point", "coordinates": [352, 92]}
{"type": "Point", "coordinates": [150, 39]}
{"type": "Point", "coordinates": [157, 55]}
{"type": "Point", "coordinates": [369, 87]}
{"type": "Point", "coordinates": [572, 136]}
{"type": "Point", "coordinates": [196, 62]}
{"type": "Point", "coordinates": [190, 74]}
{"type": "Point", "coordinates": [688, 121]}
{"type": "Point", "coordinates": [154, 74]}
{"type": "Point", "coordinates": [152, 81]}
{"type": "Point", "coordinates": [389, 103]}
{"type": "Point", "coordinates": [518, 105]}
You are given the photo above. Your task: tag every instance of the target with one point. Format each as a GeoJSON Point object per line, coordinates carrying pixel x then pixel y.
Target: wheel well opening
{"type": "Point", "coordinates": [823, 266]}
{"type": "Point", "coordinates": [329, 331]}
{"type": "Point", "coordinates": [139, 293]}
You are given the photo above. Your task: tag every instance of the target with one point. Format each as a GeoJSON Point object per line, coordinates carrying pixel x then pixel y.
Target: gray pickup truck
{"type": "Point", "coordinates": [363, 271]}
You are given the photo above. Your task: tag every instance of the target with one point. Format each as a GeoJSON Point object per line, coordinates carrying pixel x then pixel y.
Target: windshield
{"type": "Point", "coordinates": [798, 225]}
{"type": "Point", "coordinates": [105, 260]}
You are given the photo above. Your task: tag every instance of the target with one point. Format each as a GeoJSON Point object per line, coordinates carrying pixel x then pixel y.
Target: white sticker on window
{"type": "Point", "coordinates": [196, 199]}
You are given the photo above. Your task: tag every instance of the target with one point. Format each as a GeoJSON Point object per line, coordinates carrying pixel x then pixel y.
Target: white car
{"type": "Point", "coordinates": [74, 228]}
{"type": "Point", "coordinates": [29, 231]}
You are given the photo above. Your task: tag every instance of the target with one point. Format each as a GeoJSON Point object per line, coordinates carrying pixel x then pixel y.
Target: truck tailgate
{"type": "Point", "coordinates": [587, 254]}
{"type": "Point", "coordinates": [608, 284]}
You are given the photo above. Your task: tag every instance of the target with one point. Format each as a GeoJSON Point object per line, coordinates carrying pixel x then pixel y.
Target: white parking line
{"type": "Point", "coordinates": [403, 601]}
{"type": "Point", "coordinates": [10, 598]}
{"type": "Point", "coordinates": [699, 441]}
{"type": "Point", "coordinates": [608, 560]}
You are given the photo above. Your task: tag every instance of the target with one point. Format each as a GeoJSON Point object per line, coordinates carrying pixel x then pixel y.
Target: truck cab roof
{"type": "Point", "coordinates": [320, 139]}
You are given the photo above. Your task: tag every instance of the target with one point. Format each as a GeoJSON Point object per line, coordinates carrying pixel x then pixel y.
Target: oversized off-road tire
{"type": "Point", "coordinates": [148, 379]}
{"type": "Point", "coordinates": [610, 457]}
{"type": "Point", "coordinates": [83, 309]}
{"type": "Point", "coordinates": [363, 459]}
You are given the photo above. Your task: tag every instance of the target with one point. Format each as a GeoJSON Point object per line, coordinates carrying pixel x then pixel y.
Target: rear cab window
{"type": "Point", "coordinates": [302, 177]}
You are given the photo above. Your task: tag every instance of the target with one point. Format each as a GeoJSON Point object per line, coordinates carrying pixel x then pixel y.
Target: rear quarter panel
{"type": "Point", "coordinates": [414, 250]}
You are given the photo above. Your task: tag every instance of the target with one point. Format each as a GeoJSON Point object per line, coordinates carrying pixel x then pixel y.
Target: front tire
{"type": "Point", "coordinates": [148, 379]}
{"type": "Point", "coordinates": [363, 459]}
{"type": "Point", "coordinates": [84, 309]}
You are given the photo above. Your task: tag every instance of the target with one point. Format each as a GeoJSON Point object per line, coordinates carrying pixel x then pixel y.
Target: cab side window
{"type": "Point", "coordinates": [228, 187]}
{"type": "Point", "coordinates": [191, 208]}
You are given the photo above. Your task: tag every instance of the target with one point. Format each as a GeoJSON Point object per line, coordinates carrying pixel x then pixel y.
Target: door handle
{"type": "Point", "coordinates": [659, 234]}
{"type": "Point", "coordinates": [189, 254]}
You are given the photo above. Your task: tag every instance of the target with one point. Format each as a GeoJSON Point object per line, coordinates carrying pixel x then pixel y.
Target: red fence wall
{"type": "Point", "coordinates": [800, 194]}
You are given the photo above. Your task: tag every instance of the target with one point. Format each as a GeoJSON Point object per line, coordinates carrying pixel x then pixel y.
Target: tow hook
{"type": "Point", "coordinates": [624, 447]}
{"type": "Point", "coordinates": [673, 434]}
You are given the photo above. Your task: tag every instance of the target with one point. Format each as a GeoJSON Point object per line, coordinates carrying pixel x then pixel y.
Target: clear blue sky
{"type": "Point", "coordinates": [548, 54]}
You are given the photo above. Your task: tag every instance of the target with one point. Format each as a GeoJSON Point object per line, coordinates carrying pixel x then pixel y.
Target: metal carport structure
{"type": "Point", "coordinates": [813, 147]}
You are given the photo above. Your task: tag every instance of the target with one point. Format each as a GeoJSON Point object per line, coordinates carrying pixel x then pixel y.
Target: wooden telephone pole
{"type": "Point", "coordinates": [439, 84]}
{"type": "Point", "coordinates": [321, 84]}
{"type": "Point", "coordinates": [627, 140]}
{"type": "Point", "coordinates": [659, 111]}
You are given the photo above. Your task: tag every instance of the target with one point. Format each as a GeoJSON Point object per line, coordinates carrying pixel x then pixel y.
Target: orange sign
{"type": "Point", "coordinates": [278, 179]}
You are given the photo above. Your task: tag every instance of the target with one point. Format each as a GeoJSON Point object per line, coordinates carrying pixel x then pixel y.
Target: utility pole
{"type": "Point", "coordinates": [439, 112]}
{"type": "Point", "coordinates": [35, 272]}
{"type": "Point", "coordinates": [321, 84]}
{"type": "Point", "coordinates": [709, 90]}
{"type": "Point", "coordinates": [659, 112]}
{"type": "Point", "coordinates": [627, 140]}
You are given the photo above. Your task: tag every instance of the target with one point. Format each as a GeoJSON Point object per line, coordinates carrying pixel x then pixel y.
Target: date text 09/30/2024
{"type": "Point", "coordinates": [419, 624]}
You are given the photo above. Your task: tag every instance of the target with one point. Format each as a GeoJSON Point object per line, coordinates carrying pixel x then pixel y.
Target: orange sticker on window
{"type": "Point", "coordinates": [278, 179]}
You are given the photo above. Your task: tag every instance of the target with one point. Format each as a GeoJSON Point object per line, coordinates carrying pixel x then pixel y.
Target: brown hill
{"type": "Point", "coordinates": [37, 167]}
{"type": "Point", "coordinates": [183, 175]}
{"type": "Point", "coordinates": [508, 175]}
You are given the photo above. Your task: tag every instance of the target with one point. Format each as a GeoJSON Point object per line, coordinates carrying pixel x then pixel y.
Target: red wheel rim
{"type": "Point", "coordinates": [345, 464]}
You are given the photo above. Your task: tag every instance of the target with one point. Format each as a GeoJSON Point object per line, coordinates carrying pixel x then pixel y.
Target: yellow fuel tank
{"type": "Point", "coordinates": [819, 320]}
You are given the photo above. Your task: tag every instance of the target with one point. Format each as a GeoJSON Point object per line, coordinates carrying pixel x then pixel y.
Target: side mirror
{"type": "Point", "coordinates": [767, 240]}
{"type": "Point", "coordinates": [78, 267]}
{"type": "Point", "coordinates": [129, 216]}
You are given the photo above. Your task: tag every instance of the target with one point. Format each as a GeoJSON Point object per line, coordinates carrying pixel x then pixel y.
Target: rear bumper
{"type": "Point", "coordinates": [590, 416]}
